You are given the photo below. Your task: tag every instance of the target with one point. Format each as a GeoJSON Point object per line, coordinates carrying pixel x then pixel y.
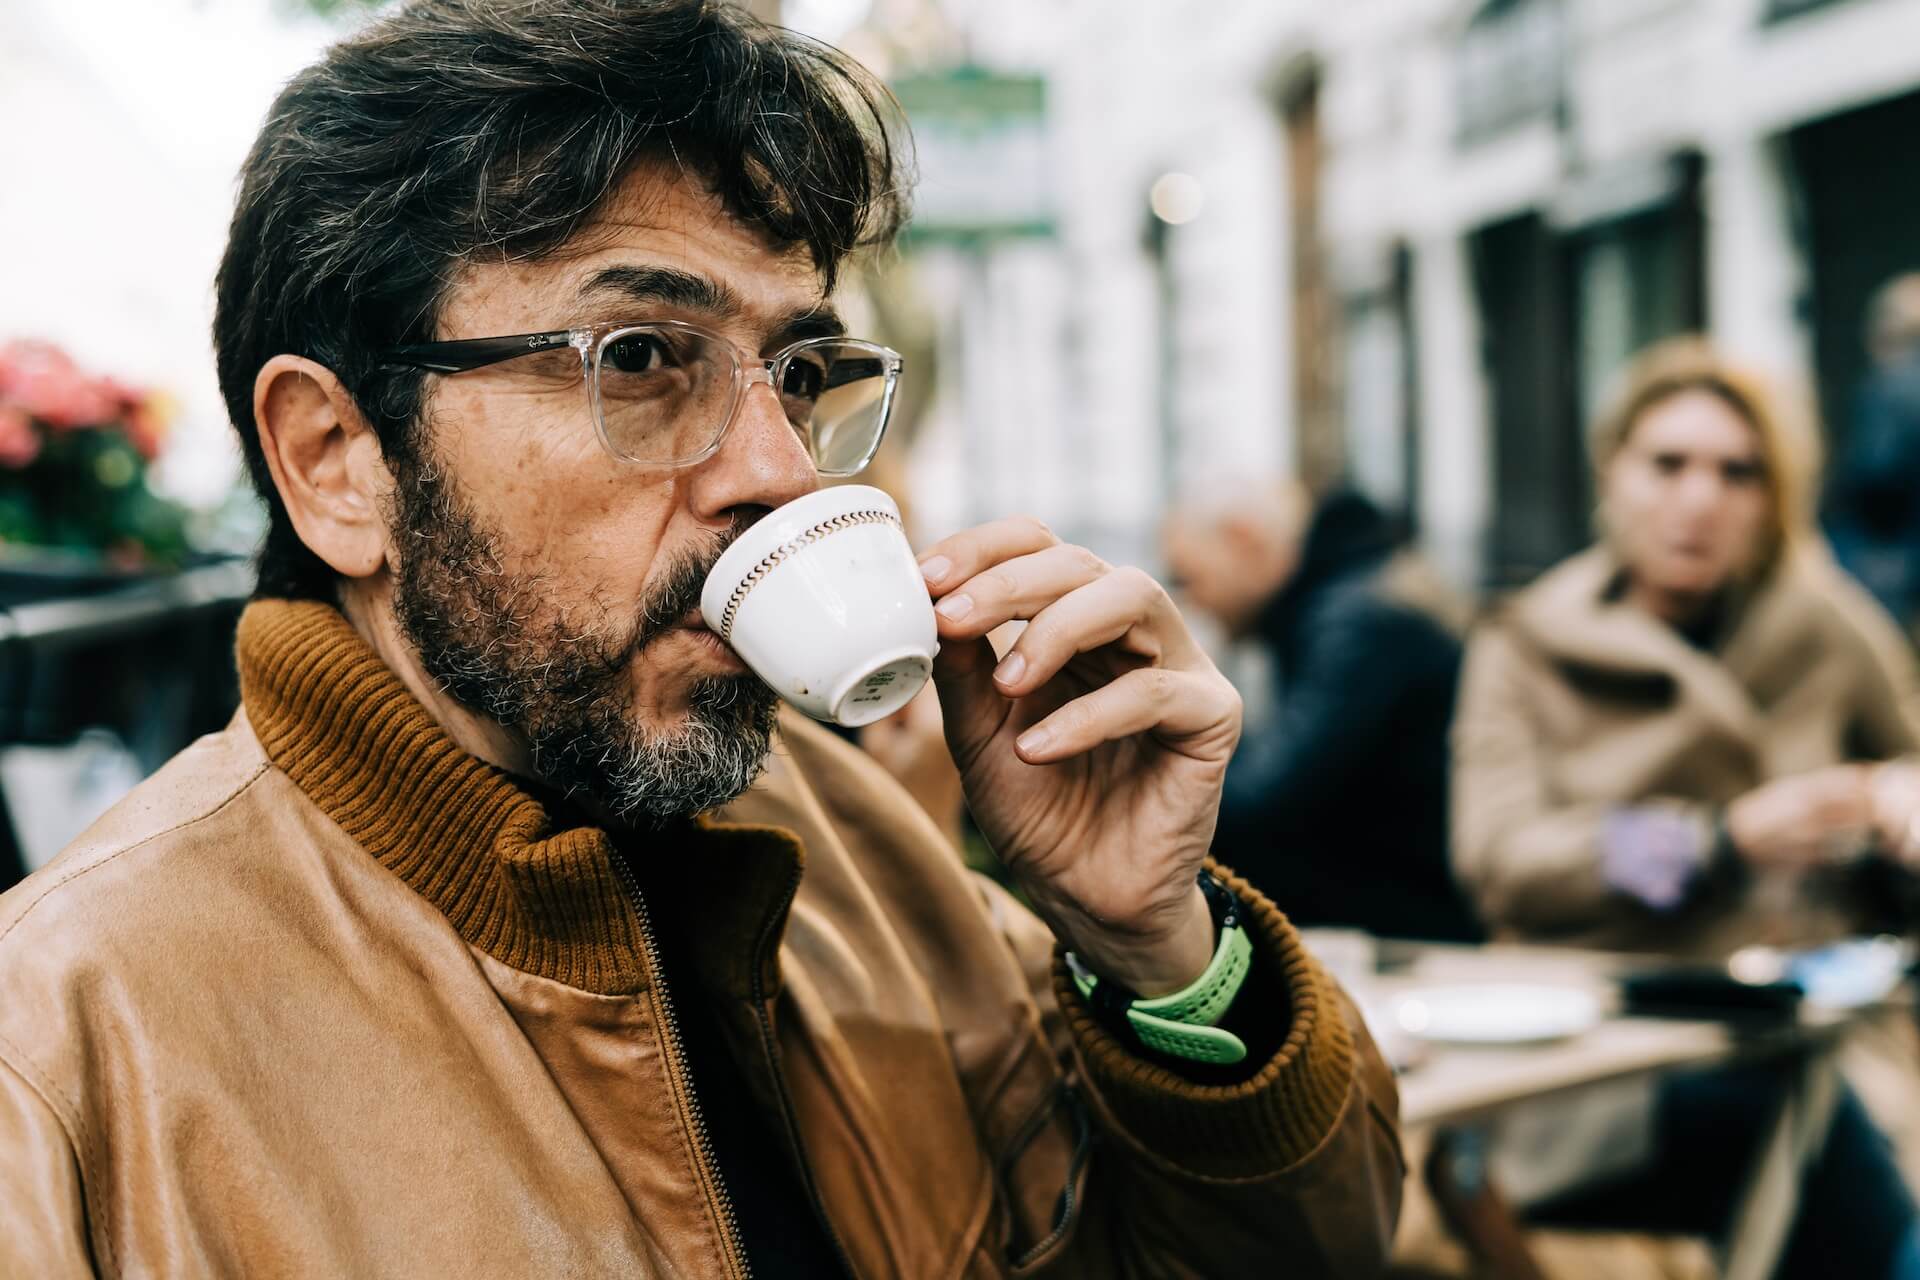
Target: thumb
{"type": "Point", "coordinates": [971, 707]}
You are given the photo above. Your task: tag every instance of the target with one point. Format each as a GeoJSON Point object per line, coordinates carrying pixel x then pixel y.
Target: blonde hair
{"type": "Point", "coordinates": [1789, 444]}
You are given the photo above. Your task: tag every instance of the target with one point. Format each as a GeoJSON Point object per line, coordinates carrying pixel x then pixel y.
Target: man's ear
{"type": "Point", "coordinates": [326, 463]}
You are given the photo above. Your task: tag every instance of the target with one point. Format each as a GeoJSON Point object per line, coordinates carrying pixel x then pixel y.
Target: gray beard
{"type": "Point", "coordinates": [487, 636]}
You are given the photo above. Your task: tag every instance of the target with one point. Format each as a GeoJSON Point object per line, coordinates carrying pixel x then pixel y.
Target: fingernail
{"type": "Point", "coordinates": [954, 608]}
{"type": "Point", "coordinates": [1010, 671]}
{"type": "Point", "coordinates": [1034, 740]}
{"type": "Point", "coordinates": [936, 569]}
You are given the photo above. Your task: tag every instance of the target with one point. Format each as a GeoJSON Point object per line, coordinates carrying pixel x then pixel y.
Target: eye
{"type": "Point", "coordinates": [805, 379]}
{"type": "Point", "coordinates": [638, 353]}
{"type": "Point", "coordinates": [1669, 464]}
{"type": "Point", "coordinates": [1743, 473]}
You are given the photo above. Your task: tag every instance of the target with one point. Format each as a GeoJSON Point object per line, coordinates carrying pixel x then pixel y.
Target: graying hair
{"type": "Point", "coordinates": [456, 130]}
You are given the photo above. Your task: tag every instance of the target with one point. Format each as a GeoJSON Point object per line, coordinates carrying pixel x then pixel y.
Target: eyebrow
{"type": "Point", "coordinates": [673, 287]}
{"type": "Point", "coordinates": [665, 285]}
{"type": "Point", "coordinates": [816, 322]}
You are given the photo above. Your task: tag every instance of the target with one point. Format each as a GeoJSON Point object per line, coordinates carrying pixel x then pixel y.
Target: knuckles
{"type": "Point", "coordinates": [1158, 685]}
{"type": "Point", "coordinates": [996, 584]}
{"type": "Point", "coordinates": [1088, 563]}
{"type": "Point", "coordinates": [1141, 583]}
{"type": "Point", "coordinates": [1038, 530]}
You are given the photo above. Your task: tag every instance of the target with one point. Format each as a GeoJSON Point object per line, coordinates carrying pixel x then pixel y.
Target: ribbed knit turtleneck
{"type": "Point", "coordinates": [460, 833]}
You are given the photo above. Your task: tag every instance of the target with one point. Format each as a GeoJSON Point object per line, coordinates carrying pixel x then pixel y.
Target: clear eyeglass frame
{"type": "Point", "coordinates": [592, 342]}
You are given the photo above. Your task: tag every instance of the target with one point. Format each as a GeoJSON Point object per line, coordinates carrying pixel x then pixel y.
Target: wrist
{"type": "Point", "coordinates": [1149, 964]}
{"type": "Point", "coordinates": [1184, 1024]}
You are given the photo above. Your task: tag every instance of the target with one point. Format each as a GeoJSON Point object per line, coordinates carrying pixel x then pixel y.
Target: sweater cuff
{"type": "Point", "coordinates": [1274, 1118]}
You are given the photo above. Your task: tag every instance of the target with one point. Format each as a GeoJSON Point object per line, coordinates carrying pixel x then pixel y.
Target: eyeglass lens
{"type": "Point", "coordinates": [665, 395]}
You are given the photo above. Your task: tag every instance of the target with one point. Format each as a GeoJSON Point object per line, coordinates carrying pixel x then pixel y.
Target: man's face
{"type": "Point", "coordinates": [554, 589]}
{"type": "Point", "coordinates": [1229, 566]}
{"type": "Point", "coordinates": [1205, 569]}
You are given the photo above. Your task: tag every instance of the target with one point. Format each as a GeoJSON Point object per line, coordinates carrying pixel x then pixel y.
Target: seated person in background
{"type": "Point", "coordinates": [1337, 796]}
{"type": "Point", "coordinates": [1665, 745]}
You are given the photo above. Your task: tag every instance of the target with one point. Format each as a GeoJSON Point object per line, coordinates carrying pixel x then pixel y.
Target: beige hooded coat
{"type": "Point", "coordinates": [1575, 704]}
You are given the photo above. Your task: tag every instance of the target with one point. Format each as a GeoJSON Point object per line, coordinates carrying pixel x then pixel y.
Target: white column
{"type": "Point", "coordinates": [1456, 461]}
{"type": "Point", "coordinates": [1754, 269]}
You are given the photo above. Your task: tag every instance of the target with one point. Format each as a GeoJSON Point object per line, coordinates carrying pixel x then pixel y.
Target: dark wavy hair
{"type": "Point", "coordinates": [460, 130]}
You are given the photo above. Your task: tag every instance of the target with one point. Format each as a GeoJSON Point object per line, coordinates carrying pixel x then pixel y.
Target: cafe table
{"type": "Point", "coordinates": [1453, 1096]}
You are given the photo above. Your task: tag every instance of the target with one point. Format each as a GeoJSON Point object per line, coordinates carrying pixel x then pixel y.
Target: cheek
{"type": "Point", "coordinates": [1633, 494]}
{"type": "Point", "coordinates": [1210, 587]}
{"type": "Point", "coordinates": [558, 504]}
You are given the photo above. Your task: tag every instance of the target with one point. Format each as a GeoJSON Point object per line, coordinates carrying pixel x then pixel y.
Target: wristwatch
{"type": "Point", "coordinates": [1181, 1025]}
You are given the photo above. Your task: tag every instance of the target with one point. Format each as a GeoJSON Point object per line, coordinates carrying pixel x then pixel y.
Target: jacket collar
{"type": "Point", "coordinates": [1577, 616]}
{"type": "Point", "coordinates": [545, 899]}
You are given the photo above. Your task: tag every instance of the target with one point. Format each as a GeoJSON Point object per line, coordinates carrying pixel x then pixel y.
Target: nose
{"type": "Point", "coordinates": [761, 464]}
{"type": "Point", "coordinates": [1700, 489]}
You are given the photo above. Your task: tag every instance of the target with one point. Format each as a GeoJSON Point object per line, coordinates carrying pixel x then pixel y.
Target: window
{"type": "Point", "coordinates": [1507, 69]}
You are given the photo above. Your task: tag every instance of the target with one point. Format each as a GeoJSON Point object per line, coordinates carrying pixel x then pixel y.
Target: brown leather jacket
{"type": "Point", "coordinates": [328, 997]}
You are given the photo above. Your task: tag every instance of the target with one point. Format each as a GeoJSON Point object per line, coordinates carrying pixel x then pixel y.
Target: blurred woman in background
{"type": "Point", "coordinates": [1670, 743]}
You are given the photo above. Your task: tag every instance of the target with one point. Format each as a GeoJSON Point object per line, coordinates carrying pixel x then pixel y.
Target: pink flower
{"type": "Point", "coordinates": [19, 442]}
{"type": "Point", "coordinates": [43, 380]}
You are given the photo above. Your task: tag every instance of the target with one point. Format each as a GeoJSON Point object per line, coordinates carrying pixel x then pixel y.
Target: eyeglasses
{"type": "Point", "coordinates": [665, 394]}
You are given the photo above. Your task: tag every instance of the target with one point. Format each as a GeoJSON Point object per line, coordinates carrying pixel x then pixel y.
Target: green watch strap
{"type": "Point", "coordinates": [1181, 1025]}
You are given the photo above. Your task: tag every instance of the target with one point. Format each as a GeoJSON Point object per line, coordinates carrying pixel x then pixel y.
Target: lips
{"type": "Point", "coordinates": [694, 624]}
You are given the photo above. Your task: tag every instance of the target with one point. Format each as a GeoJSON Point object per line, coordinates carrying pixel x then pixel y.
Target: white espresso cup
{"type": "Point", "coordinates": [824, 600]}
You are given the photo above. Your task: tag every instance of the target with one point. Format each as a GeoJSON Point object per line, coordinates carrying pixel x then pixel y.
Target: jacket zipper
{"type": "Point", "coordinates": [770, 1049]}
{"type": "Point", "coordinates": [696, 1121]}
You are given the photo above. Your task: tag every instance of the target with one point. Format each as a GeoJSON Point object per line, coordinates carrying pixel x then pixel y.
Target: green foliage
{"type": "Point", "coordinates": [86, 492]}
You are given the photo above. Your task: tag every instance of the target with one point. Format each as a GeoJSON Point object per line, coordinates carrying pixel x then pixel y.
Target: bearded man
{"type": "Point", "coordinates": [509, 930]}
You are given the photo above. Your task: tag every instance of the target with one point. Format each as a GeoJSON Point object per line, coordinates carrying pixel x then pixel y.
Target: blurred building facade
{"type": "Point", "coordinates": [1101, 362]}
{"type": "Point", "coordinates": [1531, 190]}
{"type": "Point", "coordinates": [1409, 242]}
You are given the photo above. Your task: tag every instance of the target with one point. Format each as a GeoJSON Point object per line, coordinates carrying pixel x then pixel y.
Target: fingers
{"type": "Point", "coordinates": [952, 561]}
{"type": "Point", "coordinates": [1844, 796]}
{"type": "Point", "coordinates": [1019, 587]}
{"type": "Point", "coordinates": [1074, 603]}
{"type": "Point", "coordinates": [1086, 602]}
{"type": "Point", "coordinates": [1170, 704]}
{"type": "Point", "coordinates": [971, 708]}
{"type": "Point", "coordinates": [1123, 605]}
{"type": "Point", "coordinates": [1896, 810]}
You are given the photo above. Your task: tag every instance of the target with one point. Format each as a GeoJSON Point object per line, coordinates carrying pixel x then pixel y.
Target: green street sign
{"type": "Point", "coordinates": [985, 172]}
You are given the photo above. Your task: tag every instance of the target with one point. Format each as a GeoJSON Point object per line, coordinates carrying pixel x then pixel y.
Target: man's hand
{"type": "Point", "coordinates": [1803, 820]}
{"type": "Point", "coordinates": [1093, 752]}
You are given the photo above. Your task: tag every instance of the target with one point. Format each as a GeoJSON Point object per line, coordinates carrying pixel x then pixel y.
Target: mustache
{"type": "Point", "coordinates": [678, 591]}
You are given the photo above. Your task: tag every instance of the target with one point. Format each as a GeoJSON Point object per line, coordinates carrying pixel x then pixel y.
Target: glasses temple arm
{"type": "Point", "coordinates": [472, 353]}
